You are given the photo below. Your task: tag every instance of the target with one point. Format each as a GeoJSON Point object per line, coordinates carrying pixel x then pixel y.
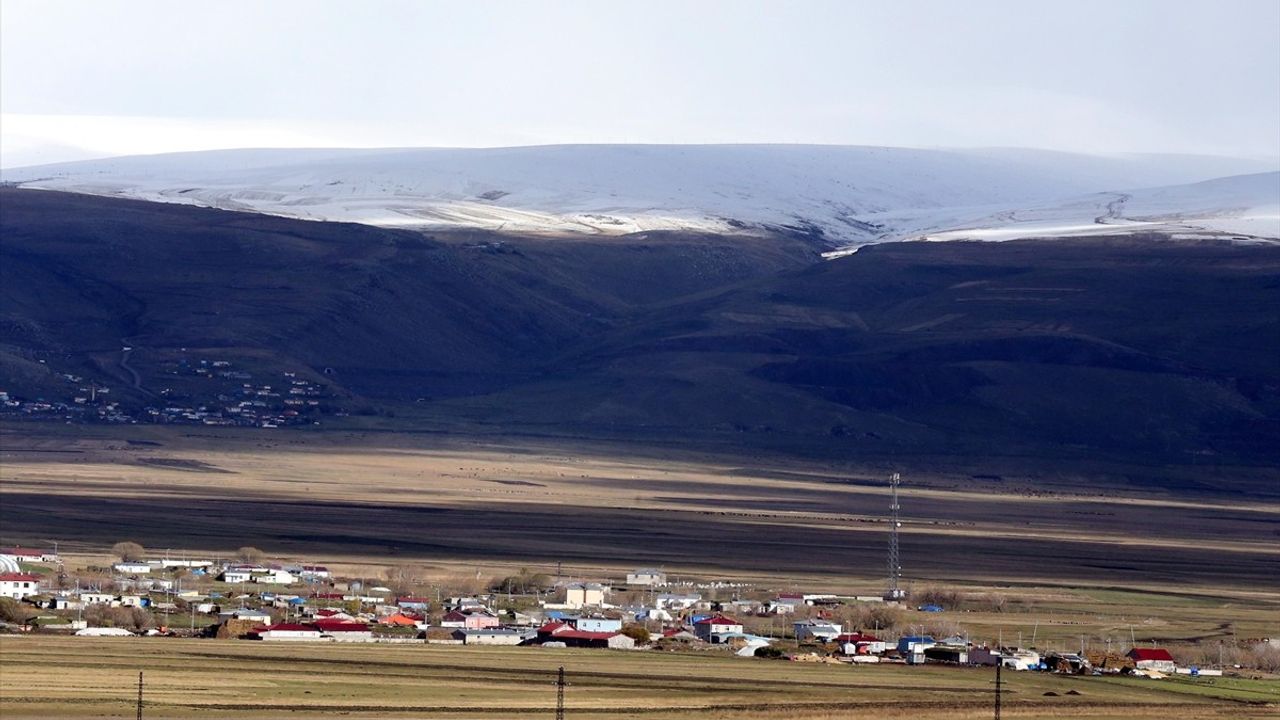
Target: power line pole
{"type": "Point", "coordinates": [895, 566]}
{"type": "Point", "coordinates": [999, 663]}
{"type": "Point", "coordinates": [139, 695]}
{"type": "Point", "coordinates": [560, 694]}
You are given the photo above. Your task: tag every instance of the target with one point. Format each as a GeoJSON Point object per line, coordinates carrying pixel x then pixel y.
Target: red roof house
{"type": "Point", "coordinates": [1157, 659]}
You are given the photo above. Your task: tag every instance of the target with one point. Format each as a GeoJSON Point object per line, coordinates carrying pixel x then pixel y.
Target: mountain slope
{"type": "Point", "coordinates": [840, 195]}
{"type": "Point", "coordinates": [1159, 353]}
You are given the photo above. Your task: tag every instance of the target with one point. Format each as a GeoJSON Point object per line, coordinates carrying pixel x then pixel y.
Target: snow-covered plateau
{"type": "Point", "coordinates": [845, 196]}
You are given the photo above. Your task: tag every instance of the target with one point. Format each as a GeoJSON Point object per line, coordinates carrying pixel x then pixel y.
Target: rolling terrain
{"type": "Point", "coordinates": [840, 196]}
{"type": "Point", "coordinates": [1155, 353]}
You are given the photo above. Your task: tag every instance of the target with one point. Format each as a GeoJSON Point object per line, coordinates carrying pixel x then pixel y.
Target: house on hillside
{"type": "Point", "coordinates": [715, 628]}
{"type": "Point", "coordinates": [1157, 659]}
{"type": "Point", "coordinates": [19, 586]}
{"type": "Point", "coordinates": [132, 568]}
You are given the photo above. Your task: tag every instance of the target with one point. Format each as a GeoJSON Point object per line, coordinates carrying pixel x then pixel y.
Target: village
{"type": "Point", "coordinates": [250, 599]}
{"type": "Point", "coordinates": [198, 391]}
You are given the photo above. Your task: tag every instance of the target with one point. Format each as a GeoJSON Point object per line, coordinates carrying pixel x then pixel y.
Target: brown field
{"type": "Point", "coordinates": [1080, 561]}
{"type": "Point", "coordinates": [47, 677]}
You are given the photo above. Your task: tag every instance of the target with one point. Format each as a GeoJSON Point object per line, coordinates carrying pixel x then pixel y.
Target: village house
{"type": "Point", "coordinates": [580, 595]}
{"type": "Point", "coordinates": [1157, 659]}
{"type": "Point", "coordinates": [413, 603]}
{"type": "Point", "coordinates": [132, 568]}
{"type": "Point", "coordinates": [96, 598]}
{"type": "Point", "coordinates": [314, 572]}
{"type": "Point", "coordinates": [560, 632]}
{"type": "Point", "coordinates": [817, 631]}
{"type": "Point", "coordinates": [19, 586]}
{"type": "Point", "coordinates": [714, 629]}
{"type": "Point", "coordinates": [596, 624]}
{"type": "Point", "coordinates": [344, 631]}
{"type": "Point", "coordinates": [674, 601]}
{"type": "Point", "coordinates": [861, 644]}
{"type": "Point", "coordinates": [489, 636]}
{"type": "Point", "coordinates": [261, 616]}
{"type": "Point", "coordinates": [32, 556]}
{"type": "Point", "coordinates": [912, 647]}
{"type": "Point", "coordinates": [274, 576]}
{"type": "Point", "coordinates": [240, 573]}
{"type": "Point", "coordinates": [285, 632]}
{"type": "Point", "coordinates": [647, 577]}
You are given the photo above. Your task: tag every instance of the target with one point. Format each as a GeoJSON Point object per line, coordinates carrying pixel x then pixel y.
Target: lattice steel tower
{"type": "Point", "coordinates": [895, 566]}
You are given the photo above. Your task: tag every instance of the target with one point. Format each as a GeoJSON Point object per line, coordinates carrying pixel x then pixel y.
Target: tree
{"type": "Point", "coordinates": [128, 551]}
{"type": "Point", "coordinates": [249, 554]}
{"type": "Point", "coordinates": [636, 632]}
{"type": "Point", "coordinates": [13, 611]}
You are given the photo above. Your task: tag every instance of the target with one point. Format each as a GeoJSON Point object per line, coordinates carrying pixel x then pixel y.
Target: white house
{"type": "Point", "coordinates": [19, 585]}
{"type": "Point", "coordinates": [594, 624]}
{"type": "Point", "coordinates": [672, 601]}
{"type": "Point", "coordinates": [274, 576]}
{"type": "Point", "coordinates": [132, 568]}
{"type": "Point", "coordinates": [314, 571]}
{"type": "Point", "coordinates": [286, 632]}
{"type": "Point", "coordinates": [489, 636]}
{"type": "Point", "coordinates": [712, 629]}
{"type": "Point", "coordinates": [134, 601]}
{"type": "Point", "coordinates": [1157, 659]}
{"type": "Point", "coordinates": [647, 576]}
{"type": "Point", "coordinates": [245, 614]}
{"type": "Point", "coordinates": [97, 598]}
{"type": "Point", "coordinates": [239, 574]}
{"type": "Point", "coordinates": [817, 630]}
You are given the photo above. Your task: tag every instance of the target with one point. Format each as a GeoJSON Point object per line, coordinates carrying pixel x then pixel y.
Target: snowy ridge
{"type": "Point", "coordinates": [847, 196]}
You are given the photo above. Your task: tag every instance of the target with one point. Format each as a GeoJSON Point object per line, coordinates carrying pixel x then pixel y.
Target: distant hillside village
{"type": "Point", "coordinates": [249, 598]}
{"type": "Point", "coordinates": [200, 391]}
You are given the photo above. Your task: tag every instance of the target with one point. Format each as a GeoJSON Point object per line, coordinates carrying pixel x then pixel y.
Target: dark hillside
{"type": "Point", "coordinates": [1143, 350]}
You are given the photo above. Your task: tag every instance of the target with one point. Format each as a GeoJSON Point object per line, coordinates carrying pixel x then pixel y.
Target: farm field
{"type": "Point", "coordinates": [1075, 563]}
{"type": "Point", "coordinates": [229, 679]}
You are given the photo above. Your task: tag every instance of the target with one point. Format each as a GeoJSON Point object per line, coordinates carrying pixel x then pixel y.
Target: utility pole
{"type": "Point", "coordinates": [559, 694]}
{"type": "Point", "coordinates": [139, 695]}
{"type": "Point", "coordinates": [999, 664]}
{"type": "Point", "coordinates": [895, 566]}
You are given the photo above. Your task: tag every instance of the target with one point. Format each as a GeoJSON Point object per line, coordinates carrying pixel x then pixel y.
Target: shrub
{"type": "Point", "coordinates": [128, 551]}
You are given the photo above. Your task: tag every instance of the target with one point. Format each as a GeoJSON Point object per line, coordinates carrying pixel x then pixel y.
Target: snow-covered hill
{"type": "Point", "coordinates": [852, 195]}
{"type": "Point", "coordinates": [1246, 207]}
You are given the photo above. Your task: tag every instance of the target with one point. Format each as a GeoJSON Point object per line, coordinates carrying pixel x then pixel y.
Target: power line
{"type": "Point", "coordinates": [559, 694]}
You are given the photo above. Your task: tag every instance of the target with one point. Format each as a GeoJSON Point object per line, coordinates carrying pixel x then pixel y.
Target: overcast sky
{"type": "Point", "coordinates": [97, 77]}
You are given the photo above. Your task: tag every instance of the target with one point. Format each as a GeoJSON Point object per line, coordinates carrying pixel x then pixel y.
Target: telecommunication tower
{"type": "Point", "coordinates": [895, 566]}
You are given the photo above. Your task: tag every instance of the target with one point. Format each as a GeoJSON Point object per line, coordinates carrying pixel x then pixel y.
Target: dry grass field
{"type": "Point", "coordinates": [1074, 559]}
{"type": "Point", "coordinates": [47, 677]}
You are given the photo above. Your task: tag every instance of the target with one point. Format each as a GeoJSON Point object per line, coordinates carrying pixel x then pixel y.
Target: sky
{"type": "Point", "coordinates": [94, 78]}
